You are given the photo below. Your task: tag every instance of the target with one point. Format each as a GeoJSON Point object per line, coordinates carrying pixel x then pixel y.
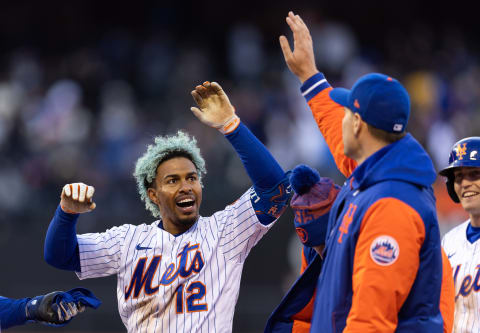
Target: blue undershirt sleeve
{"type": "Point", "coordinates": [269, 194]}
{"type": "Point", "coordinates": [12, 312]}
{"type": "Point", "coordinates": [61, 245]}
{"type": "Point", "coordinates": [262, 168]}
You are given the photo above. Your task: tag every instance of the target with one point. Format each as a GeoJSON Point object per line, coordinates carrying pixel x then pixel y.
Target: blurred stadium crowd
{"type": "Point", "coordinates": [86, 112]}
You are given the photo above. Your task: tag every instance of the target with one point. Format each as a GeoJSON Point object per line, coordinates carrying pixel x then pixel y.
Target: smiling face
{"type": "Point", "coordinates": [178, 194]}
{"type": "Point", "coordinates": [467, 187]}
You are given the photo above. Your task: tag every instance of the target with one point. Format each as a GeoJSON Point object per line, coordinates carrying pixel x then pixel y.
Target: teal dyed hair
{"type": "Point", "coordinates": [165, 146]}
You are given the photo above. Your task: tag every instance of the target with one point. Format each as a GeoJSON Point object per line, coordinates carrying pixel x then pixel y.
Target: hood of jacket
{"type": "Point", "coordinates": [404, 160]}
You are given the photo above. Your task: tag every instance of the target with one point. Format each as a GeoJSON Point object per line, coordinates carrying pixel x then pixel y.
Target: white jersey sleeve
{"type": "Point", "coordinates": [240, 229]}
{"type": "Point", "coordinates": [100, 252]}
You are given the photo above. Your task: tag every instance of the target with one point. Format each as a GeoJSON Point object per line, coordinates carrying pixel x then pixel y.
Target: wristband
{"type": "Point", "coordinates": [230, 125]}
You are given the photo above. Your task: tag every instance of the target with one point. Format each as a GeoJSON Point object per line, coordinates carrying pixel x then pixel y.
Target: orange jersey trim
{"type": "Point", "coordinates": [329, 116]}
{"type": "Point", "coordinates": [379, 291]}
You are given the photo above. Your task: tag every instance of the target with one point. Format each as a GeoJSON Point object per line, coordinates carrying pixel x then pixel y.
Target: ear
{"type": "Point", "coordinates": [358, 124]}
{"type": "Point", "coordinates": [152, 194]}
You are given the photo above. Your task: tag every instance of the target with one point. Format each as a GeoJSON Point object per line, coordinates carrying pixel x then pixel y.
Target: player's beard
{"type": "Point", "coordinates": [189, 220]}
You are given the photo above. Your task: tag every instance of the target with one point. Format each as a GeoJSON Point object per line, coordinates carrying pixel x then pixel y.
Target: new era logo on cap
{"type": "Point", "coordinates": [397, 127]}
{"type": "Point", "coordinates": [356, 104]}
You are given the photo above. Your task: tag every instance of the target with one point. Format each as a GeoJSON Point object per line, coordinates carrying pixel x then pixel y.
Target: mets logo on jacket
{"type": "Point", "coordinates": [384, 250]}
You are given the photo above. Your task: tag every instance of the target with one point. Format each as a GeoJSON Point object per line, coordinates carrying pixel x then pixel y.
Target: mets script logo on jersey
{"type": "Point", "coordinates": [384, 250]}
{"type": "Point", "coordinates": [468, 284]}
{"type": "Point", "coordinates": [142, 279]}
{"type": "Point", "coordinates": [461, 150]}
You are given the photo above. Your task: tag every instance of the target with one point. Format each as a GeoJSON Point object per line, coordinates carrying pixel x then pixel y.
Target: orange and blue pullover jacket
{"type": "Point", "coordinates": [383, 268]}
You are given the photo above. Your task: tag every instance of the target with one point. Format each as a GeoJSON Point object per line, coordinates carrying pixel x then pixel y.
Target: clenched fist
{"type": "Point", "coordinates": [77, 198]}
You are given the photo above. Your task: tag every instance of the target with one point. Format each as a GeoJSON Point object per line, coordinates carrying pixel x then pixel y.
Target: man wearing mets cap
{"type": "Point", "coordinates": [380, 100]}
{"type": "Point", "coordinates": [383, 267]}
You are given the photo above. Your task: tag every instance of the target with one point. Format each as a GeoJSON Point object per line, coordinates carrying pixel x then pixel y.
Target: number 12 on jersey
{"type": "Point", "coordinates": [193, 294]}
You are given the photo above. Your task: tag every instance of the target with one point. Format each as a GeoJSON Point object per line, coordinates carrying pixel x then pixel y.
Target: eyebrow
{"type": "Point", "coordinates": [175, 175]}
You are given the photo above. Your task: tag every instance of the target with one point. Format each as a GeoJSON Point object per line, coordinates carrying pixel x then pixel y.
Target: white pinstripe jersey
{"type": "Point", "coordinates": [465, 260]}
{"type": "Point", "coordinates": [188, 283]}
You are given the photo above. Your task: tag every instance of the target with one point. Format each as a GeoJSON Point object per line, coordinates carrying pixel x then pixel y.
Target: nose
{"type": "Point", "coordinates": [185, 187]}
{"type": "Point", "coordinates": [465, 182]}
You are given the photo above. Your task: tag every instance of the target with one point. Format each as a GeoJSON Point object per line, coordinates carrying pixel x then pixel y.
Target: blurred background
{"type": "Point", "coordinates": [85, 86]}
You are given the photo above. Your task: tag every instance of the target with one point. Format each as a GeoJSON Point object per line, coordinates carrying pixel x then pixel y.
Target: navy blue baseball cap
{"type": "Point", "coordinates": [379, 99]}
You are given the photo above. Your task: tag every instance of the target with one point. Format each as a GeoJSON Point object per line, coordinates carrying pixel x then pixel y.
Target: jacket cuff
{"type": "Point", "coordinates": [313, 86]}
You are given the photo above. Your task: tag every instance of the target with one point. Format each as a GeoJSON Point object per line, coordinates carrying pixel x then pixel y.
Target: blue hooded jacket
{"type": "Point", "coordinates": [399, 175]}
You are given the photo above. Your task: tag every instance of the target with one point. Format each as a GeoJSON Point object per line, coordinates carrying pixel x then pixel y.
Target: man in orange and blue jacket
{"type": "Point", "coordinates": [383, 267]}
{"type": "Point", "coordinates": [311, 203]}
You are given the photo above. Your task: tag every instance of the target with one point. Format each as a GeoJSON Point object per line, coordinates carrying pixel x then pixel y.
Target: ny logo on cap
{"type": "Point", "coordinates": [461, 150]}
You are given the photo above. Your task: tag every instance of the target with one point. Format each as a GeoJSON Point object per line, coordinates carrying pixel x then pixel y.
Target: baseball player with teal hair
{"type": "Point", "coordinates": [182, 272]}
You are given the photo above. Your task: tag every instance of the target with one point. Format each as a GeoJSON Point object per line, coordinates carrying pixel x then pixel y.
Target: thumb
{"type": "Point", "coordinates": [197, 112]}
{"type": "Point", "coordinates": [286, 50]}
{"type": "Point", "coordinates": [92, 206]}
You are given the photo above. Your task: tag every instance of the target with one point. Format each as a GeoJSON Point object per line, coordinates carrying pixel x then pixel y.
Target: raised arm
{"type": "Point", "coordinates": [315, 89]}
{"type": "Point", "coordinates": [61, 244]}
{"type": "Point", "coordinates": [269, 180]}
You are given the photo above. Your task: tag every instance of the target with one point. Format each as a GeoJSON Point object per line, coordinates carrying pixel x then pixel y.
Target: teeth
{"type": "Point", "coordinates": [187, 202]}
{"type": "Point", "coordinates": [469, 194]}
